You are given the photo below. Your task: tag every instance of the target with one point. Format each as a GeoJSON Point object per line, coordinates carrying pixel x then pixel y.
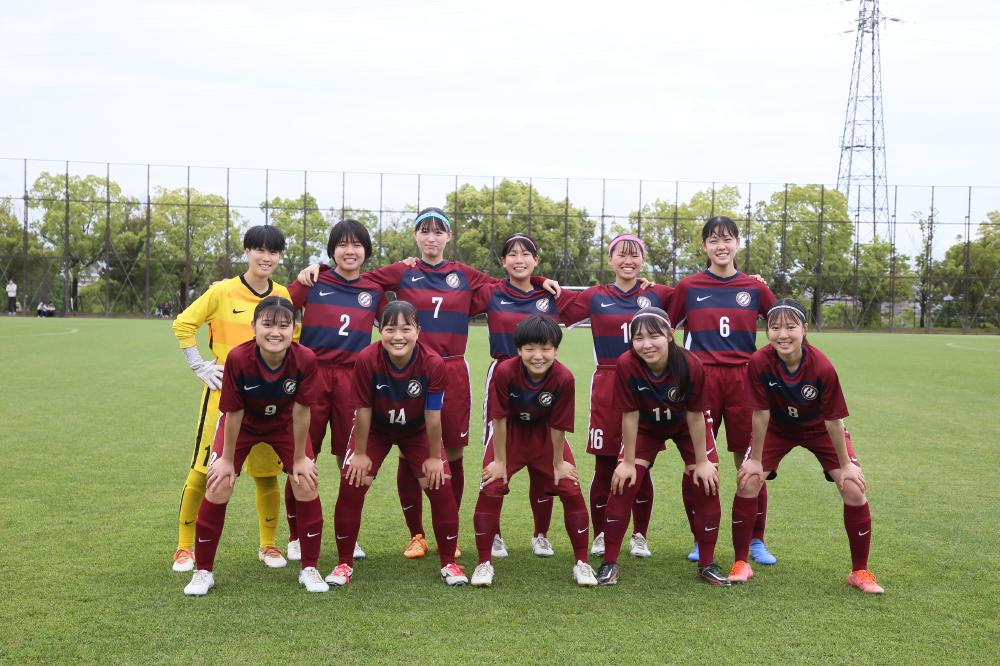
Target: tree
{"type": "Point", "coordinates": [973, 270]}
{"type": "Point", "coordinates": [305, 228]}
{"type": "Point", "coordinates": [877, 270]}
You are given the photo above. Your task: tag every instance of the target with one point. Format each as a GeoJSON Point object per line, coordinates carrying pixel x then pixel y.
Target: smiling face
{"type": "Point", "coordinates": [652, 344]}
{"type": "Point", "coordinates": [261, 262]}
{"type": "Point", "coordinates": [399, 337]}
{"type": "Point", "coordinates": [626, 260]}
{"type": "Point", "coordinates": [273, 331]}
{"type": "Point", "coordinates": [348, 256]}
{"type": "Point", "coordinates": [537, 357]}
{"type": "Point", "coordinates": [432, 238]}
{"type": "Point", "coordinates": [721, 248]}
{"type": "Point", "coordinates": [786, 332]}
{"type": "Point", "coordinates": [519, 263]}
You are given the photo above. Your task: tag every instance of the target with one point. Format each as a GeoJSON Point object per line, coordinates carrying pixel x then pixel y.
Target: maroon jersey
{"type": "Point", "coordinates": [611, 310]}
{"type": "Point", "coordinates": [661, 405]}
{"type": "Point", "coordinates": [339, 315]}
{"type": "Point", "coordinates": [799, 401]}
{"type": "Point", "coordinates": [720, 315]}
{"type": "Point", "coordinates": [546, 404]}
{"type": "Point", "coordinates": [397, 397]}
{"type": "Point", "coordinates": [506, 306]}
{"type": "Point", "coordinates": [442, 295]}
{"type": "Point", "coordinates": [265, 394]}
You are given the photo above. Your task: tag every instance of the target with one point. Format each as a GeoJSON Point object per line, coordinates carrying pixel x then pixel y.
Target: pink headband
{"type": "Point", "coordinates": [665, 320]}
{"type": "Point", "coordinates": [525, 239]}
{"type": "Point", "coordinates": [627, 237]}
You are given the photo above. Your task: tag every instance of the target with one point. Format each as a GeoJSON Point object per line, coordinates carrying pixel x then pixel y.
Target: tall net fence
{"type": "Point", "coordinates": [127, 239]}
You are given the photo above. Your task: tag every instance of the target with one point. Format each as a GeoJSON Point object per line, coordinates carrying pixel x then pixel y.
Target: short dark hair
{"type": "Point", "coordinates": [274, 307]}
{"type": "Point", "coordinates": [432, 218]}
{"type": "Point", "coordinates": [394, 311]}
{"type": "Point", "coordinates": [523, 241]}
{"type": "Point", "coordinates": [264, 237]}
{"type": "Point", "coordinates": [538, 330]}
{"type": "Point", "coordinates": [718, 224]}
{"type": "Point", "coordinates": [786, 307]}
{"type": "Point", "coordinates": [349, 230]}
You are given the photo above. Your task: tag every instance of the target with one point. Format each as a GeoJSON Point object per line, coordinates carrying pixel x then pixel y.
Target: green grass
{"type": "Point", "coordinates": [97, 423]}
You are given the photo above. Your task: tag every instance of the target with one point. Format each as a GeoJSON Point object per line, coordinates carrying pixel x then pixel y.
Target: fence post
{"type": "Point", "coordinates": [857, 281]}
{"type": "Point", "coordinates": [229, 223]}
{"type": "Point", "coordinates": [673, 263]}
{"type": "Point", "coordinates": [565, 257]}
{"type": "Point", "coordinates": [600, 250]}
{"type": "Point", "coordinates": [305, 217]}
{"type": "Point", "coordinates": [381, 193]}
{"type": "Point", "coordinates": [638, 217]}
{"type": "Point", "coordinates": [149, 236]}
{"type": "Point", "coordinates": [967, 291]}
{"type": "Point", "coordinates": [187, 241]}
{"type": "Point", "coordinates": [746, 233]}
{"type": "Point", "coordinates": [925, 319]}
{"type": "Point", "coordinates": [26, 276]}
{"type": "Point", "coordinates": [892, 260]}
{"type": "Point", "coordinates": [818, 292]}
{"type": "Point", "coordinates": [531, 215]}
{"type": "Point", "coordinates": [784, 241]}
{"type": "Point", "coordinates": [107, 238]}
{"type": "Point", "coordinates": [66, 273]}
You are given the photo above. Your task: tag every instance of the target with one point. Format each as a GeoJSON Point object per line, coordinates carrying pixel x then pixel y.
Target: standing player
{"type": "Point", "coordinates": [531, 409]}
{"type": "Point", "coordinates": [227, 307]}
{"type": "Point", "coordinates": [506, 304]}
{"type": "Point", "coordinates": [719, 309]}
{"type": "Point", "coordinates": [610, 308]}
{"type": "Point", "coordinates": [337, 325]}
{"type": "Point", "coordinates": [797, 401]}
{"type": "Point", "coordinates": [267, 389]}
{"type": "Point", "coordinates": [399, 389]}
{"type": "Point", "coordinates": [660, 390]}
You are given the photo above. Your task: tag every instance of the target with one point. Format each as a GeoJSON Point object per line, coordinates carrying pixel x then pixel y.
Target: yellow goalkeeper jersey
{"type": "Point", "coordinates": [227, 307]}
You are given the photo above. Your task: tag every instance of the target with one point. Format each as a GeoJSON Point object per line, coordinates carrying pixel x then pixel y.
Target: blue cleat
{"type": "Point", "coordinates": [760, 553]}
{"type": "Point", "coordinates": [693, 555]}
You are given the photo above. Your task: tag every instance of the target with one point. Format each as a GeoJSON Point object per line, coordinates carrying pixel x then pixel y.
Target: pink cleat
{"type": "Point", "coordinates": [864, 580]}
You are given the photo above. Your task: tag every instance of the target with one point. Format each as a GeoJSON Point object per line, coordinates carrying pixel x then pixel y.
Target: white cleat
{"type": "Point", "coordinates": [452, 574]}
{"type": "Point", "coordinates": [341, 575]}
{"type": "Point", "coordinates": [584, 574]}
{"type": "Point", "coordinates": [499, 547]}
{"type": "Point", "coordinates": [640, 547]}
{"type": "Point", "coordinates": [483, 575]}
{"type": "Point", "coordinates": [598, 547]}
{"type": "Point", "coordinates": [201, 582]}
{"type": "Point", "coordinates": [294, 551]}
{"type": "Point", "coordinates": [183, 560]}
{"type": "Point", "coordinates": [541, 546]}
{"type": "Point", "coordinates": [358, 553]}
{"type": "Point", "coordinates": [312, 580]}
{"type": "Point", "coordinates": [272, 557]}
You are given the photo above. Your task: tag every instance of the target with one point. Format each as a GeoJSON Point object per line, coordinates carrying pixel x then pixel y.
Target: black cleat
{"type": "Point", "coordinates": [711, 573]}
{"type": "Point", "coordinates": [608, 574]}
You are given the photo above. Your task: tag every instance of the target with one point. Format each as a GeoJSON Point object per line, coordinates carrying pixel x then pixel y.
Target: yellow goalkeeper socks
{"type": "Point", "coordinates": [187, 516]}
{"type": "Point", "coordinates": [268, 508]}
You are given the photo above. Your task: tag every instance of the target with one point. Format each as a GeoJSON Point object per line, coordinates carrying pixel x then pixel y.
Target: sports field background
{"type": "Point", "coordinates": [97, 429]}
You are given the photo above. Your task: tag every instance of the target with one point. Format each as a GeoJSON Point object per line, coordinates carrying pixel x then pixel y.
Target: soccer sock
{"type": "Point", "coordinates": [211, 519]}
{"type": "Point", "coordinates": [457, 481]}
{"type": "Point", "coordinates": [689, 495]}
{"type": "Point", "coordinates": [268, 508]}
{"type": "Point", "coordinates": [708, 512]}
{"type": "Point", "coordinates": [541, 504]}
{"type": "Point", "coordinates": [576, 519]}
{"type": "Point", "coordinates": [744, 515]}
{"type": "Point", "coordinates": [410, 498]}
{"type": "Point", "coordinates": [600, 487]}
{"type": "Point", "coordinates": [347, 520]}
{"type": "Point", "coordinates": [858, 523]}
{"type": "Point", "coordinates": [187, 515]}
{"type": "Point", "coordinates": [642, 510]}
{"type": "Point", "coordinates": [486, 522]}
{"type": "Point", "coordinates": [444, 516]}
{"type": "Point", "coordinates": [616, 520]}
{"type": "Point", "coordinates": [761, 522]}
{"type": "Point", "coordinates": [311, 519]}
{"type": "Point", "coordinates": [290, 510]}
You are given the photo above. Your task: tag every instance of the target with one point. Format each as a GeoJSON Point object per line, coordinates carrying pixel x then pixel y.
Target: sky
{"type": "Point", "coordinates": [718, 90]}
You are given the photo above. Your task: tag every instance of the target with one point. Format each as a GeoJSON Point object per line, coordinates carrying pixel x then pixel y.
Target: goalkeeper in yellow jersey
{"type": "Point", "coordinates": [227, 307]}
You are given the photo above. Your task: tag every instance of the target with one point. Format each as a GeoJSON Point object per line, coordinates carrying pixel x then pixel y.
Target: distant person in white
{"type": "Point", "coordinates": [11, 298]}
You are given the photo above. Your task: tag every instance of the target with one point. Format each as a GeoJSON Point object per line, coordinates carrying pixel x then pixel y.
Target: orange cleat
{"type": "Point", "coordinates": [740, 573]}
{"type": "Point", "coordinates": [864, 580]}
{"type": "Point", "coordinates": [417, 548]}
{"type": "Point", "coordinates": [183, 560]}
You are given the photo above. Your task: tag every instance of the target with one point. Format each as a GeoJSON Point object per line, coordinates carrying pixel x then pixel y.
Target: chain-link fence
{"type": "Point", "coordinates": [127, 239]}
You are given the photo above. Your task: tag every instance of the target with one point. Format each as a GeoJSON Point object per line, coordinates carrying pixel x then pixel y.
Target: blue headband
{"type": "Point", "coordinates": [432, 214]}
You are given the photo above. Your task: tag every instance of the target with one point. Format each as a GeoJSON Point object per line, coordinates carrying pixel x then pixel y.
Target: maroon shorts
{"type": "Point", "coordinates": [457, 403]}
{"type": "Point", "coordinates": [333, 408]}
{"type": "Point", "coordinates": [605, 435]}
{"type": "Point", "coordinates": [725, 388]}
{"type": "Point", "coordinates": [413, 448]}
{"type": "Point", "coordinates": [535, 454]}
{"type": "Point", "coordinates": [283, 444]}
{"type": "Point", "coordinates": [777, 444]}
{"type": "Point", "coordinates": [646, 447]}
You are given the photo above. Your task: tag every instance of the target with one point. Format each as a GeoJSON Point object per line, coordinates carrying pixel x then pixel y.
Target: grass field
{"type": "Point", "coordinates": [97, 426]}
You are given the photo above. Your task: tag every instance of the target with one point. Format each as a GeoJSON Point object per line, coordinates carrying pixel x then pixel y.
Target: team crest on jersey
{"type": "Point", "coordinates": [542, 305]}
{"type": "Point", "coordinates": [414, 388]}
{"type": "Point", "coordinates": [743, 299]}
{"type": "Point", "coordinates": [453, 280]}
{"type": "Point", "coordinates": [545, 399]}
{"type": "Point", "coordinates": [674, 394]}
{"type": "Point", "coordinates": [809, 392]}
{"type": "Point", "coordinates": [365, 299]}
{"type": "Point", "coordinates": [643, 302]}
{"type": "Point", "coordinates": [290, 385]}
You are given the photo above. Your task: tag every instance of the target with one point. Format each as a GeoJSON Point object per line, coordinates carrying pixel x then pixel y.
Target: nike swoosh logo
{"type": "Point", "coordinates": [643, 388]}
{"type": "Point", "coordinates": [416, 278]}
{"type": "Point", "coordinates": [503, 302]}
{"type": "Point", "coordinates": [250, 388]}
{"type": "Point", "coordinates": [581, 531]}
{"type": "Point", "coordinates": [290, 515]}
{"type": "Point", "coordinates": [854, 460]}
{"type": "Point", "coordinates": [480, 533]}
{"type": "Point", "coordinates": [543, 500]}
{"type": "Point", "coordinates": [380, 386]}
{"type": "Point", "coordinates": [702, 298]}
{"type": "Point", "coordinates": [326, 293]}
{"type": "Point", "coordinates": [464, 433]}
{"type": "Point", "coordinates": [235, 311]}
{"type": "Point", "coordinates": [863, 533]}
{"type": "Point", "coordinates": [606, 305]}
{"type": "Point", "coordinates": [612, 520]}
{"type": "Point", "coordinates": [639, 501]}
{"type": "Point", "coordinates": [515, 395]}
{"type": "Point", "coordinates": [310, 535]}
{"type": "Point", "coordinates": [188, 522]}
{"type": "Point", "coordinates": [452, 538]}
{"type": "Point", "coordinates": [711, 529]}
{"type": "Point", "coordinates": [267, 520]}
{"type": "Point", "coordinates": [772, 383]}
{"type": "Point", "coordinates": [600, 506]}
{"type": "Point", "coordinates": [737, 522]}
{"type": "Point", "coordinates": [203, 540]}
{"type": "Point", "coordinates": [709, 452]}
{"type": "Point", "coordinates": [341, 537]}
{"type": "Point", "coordinates": [407, 508]}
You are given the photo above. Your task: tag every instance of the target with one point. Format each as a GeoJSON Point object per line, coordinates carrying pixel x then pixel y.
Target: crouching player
{"type": "Point", "coordinates": [530, 407]}
{"type": "Point", "coordinates": [398, 394]}
{"type": "Point", "coordinates": [268, 387]}
{"type": "Point", "coordinates": [797, 401]}
{"type": "Point", "coordinates": [659, 388]}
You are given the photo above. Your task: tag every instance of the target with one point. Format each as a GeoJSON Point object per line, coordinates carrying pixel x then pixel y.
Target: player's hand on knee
{"type": "Point", "coordinates": [623, 477]}
{"type": "Point", "coordinates": [359, 467]}
{"type": "Point", "coordinates": [706, 475]}
{"type": "Point", "coordinates": [566, 470]}
{"type": "Point", "coordinates": [851, 473]}
{"type": "Point", "coordinates": [750, 473]}
{"type": "Point", "coordinates": [494, 471]}
{"type": "Point", "coordinates": [307, 276]}
{"type": "Point", "coordinates": [221, 474]}
{"type": "Point", "coordinates": [433, 469]}
{"type": "Point", "coordinates": [304, 474]}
